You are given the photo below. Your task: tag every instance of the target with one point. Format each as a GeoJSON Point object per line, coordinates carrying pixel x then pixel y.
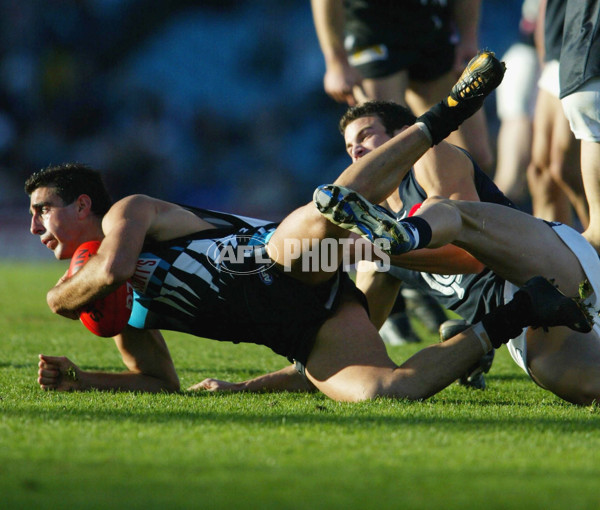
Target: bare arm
{"type": "Point", "coordinates": [126, 226]}
{"type": "Point", "coordinates": [448, 172]}
{"type": "Point", "coordinates": [145, 354]}
{"type": "Point", "coordinates": [379, 173]}
{"type": "Point", "coordinates": [340, 77]}
{"type": "Point", "coordinates": [380, 289]}
{"type": "Point", "coordinates": [448, 259]}
{"type": "Point", "coordinates": [286, 379]}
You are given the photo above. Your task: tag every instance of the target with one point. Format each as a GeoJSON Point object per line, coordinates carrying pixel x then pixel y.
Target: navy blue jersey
{"type": "Point", "coordinates": [469, 295]}
{"type": "Point", "coordinates": [220, 284]}
{"type": "Point", "coordinates": [412, 193]}
{"type": "Point", "coordinates": [553, 29]}
{"type": "Point", "coordinates": [580, 54]}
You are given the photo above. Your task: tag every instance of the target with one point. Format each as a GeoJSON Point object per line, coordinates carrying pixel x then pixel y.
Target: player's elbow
{"type": "Point", "coordinates": [58, 305]}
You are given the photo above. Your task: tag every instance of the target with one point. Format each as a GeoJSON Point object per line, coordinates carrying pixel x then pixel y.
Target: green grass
{"type": "Point", "coordinates": [511, 446]}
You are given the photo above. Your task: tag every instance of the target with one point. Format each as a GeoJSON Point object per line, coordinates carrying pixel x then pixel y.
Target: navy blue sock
{"type": "Point", "coordinates": [420, 229]}
{"type": "Point", "coordinates": [508, 320]}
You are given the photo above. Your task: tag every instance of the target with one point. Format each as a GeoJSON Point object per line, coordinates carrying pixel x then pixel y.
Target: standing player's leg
{"type": "Point", "coordinates": [553, 173]}
{"type": "Point", "coordinates": [387, 88]}
{"type": "Point", "coordinates": [581, 108]}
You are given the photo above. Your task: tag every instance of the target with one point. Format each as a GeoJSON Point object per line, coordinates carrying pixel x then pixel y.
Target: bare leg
{"type": "Point", "coordinates": [380, 289]}
{"type": "Point", "coordinates": [553, 172]}
{"type": "Point", "coordinates": [514, 98]}
{"type": "Point", "coordinates": [514, 153]}
{"type": "Point", "coordinates": [420, 96]}
{"type": "Point", "coordinates": [590, 163]}
{"type": "Point", "coordinates": [349, 361]}
{"type": "Point", "coordinates": [548, 199]}
{"type": "Point", "coordinates": [565, 162]}
{"type": "Point", "coordinates": [515, 245]}
{"type": "Point", "coordinates": [286, 379]}
{"type": "Point", "coordinates": [389, 88]}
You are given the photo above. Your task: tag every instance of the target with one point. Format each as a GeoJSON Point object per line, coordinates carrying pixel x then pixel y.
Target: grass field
{"type": "Point", "coordinates": [511, 446]}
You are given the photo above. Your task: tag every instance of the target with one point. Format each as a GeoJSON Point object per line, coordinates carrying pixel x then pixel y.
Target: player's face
{"type": "Point", "coordinates": [55, 222]}
{"type": "Point", "coordinates": [364, 135]}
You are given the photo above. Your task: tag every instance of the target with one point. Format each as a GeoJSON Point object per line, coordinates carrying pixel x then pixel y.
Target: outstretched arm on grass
{"type": "Point", "coordinates": [286, 379]}
{"type": "Point", "coordinates": [145, 354]}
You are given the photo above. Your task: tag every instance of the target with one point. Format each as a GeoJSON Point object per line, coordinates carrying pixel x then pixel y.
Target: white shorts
{"type": "Point", "coordinates": [549, 78]}
{"type": "Point", "coordinates": [516, 94]}
{"type": "Point", "coordinates": [590, 262]}
{"type": "Point", "coordinates": [582, 108]}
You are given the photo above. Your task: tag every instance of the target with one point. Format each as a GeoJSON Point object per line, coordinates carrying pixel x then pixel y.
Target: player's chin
{"type": "Point", "coordinates": [61, 254]}
{"type": "Point", "coordinates": [64, 251]}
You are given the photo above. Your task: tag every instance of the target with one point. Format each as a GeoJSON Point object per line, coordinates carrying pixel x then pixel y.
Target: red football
{"type": "Point", "coordinates": [107, 316]}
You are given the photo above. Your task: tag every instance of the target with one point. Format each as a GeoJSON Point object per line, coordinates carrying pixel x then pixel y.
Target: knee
{"type": "Point", "coordinates": [439, 207]}
{"type": "Point", "coordinates": [542, 183]}
{"type": "Point", "coordinates": [447, 218]}
{"type": "Point", "coordinates": [585, 393]}
{"type": "Point", "coordinates": [370, 391]}
{"type": "Point", "coordinates": [580, 386]}
{"type": "Point", "coordinates": [434, 199]}
{"type": "Point", "coordinates": [534, 173]}
{"type": "Point", "coordinates": [560, 173]}
{"type": "Point", "coordinates": [451, 214]}
{"type": "Point", "coordinates": [438, 203]}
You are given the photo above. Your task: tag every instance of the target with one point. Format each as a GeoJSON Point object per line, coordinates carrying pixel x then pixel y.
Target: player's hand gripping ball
{"type": "Point", "coordinates": [107, 316]}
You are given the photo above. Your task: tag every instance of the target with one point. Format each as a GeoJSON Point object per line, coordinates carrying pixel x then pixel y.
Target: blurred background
{"type": "Point", "coordinates": [214, 103]}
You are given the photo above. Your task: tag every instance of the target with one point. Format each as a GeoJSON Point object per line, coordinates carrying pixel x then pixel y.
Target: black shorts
{"type": "Point", "coordinates": [383, 60]}
{"type": "Point", "coordinates": [285, 314]}
{"type": "Point", "coordinates": [383, 38]}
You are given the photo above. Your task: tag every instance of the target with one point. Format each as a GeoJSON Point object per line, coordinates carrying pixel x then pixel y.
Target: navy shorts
{"type": "Point", "coordinates": [384, 37]}
{"type": "Point", "coordinates": [285, 314]}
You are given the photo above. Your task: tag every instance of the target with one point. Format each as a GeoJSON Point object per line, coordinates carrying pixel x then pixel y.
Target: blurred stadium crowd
{"type": "Point", "coordinates": [217, 103]}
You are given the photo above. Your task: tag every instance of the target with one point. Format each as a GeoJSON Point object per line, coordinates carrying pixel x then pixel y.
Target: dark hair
{"type": "Point", "coordinates": [393, 116]}
{"type": "Point", "coordinates": [71, 180]}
